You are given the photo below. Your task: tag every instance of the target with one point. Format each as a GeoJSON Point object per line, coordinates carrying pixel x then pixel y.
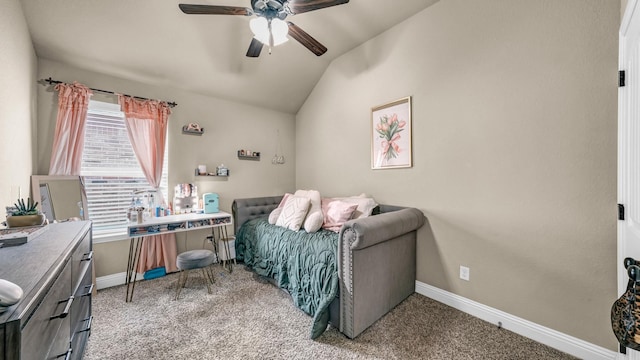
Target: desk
{"type": "Point", "coordinates": [172, 224]}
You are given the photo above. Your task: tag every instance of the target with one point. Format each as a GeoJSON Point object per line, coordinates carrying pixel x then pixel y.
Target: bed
{"type": "Point", "coordinates": [348, 279]}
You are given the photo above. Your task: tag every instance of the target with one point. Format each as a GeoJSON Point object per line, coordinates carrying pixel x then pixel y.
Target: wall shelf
{"type": "Point", "coordinates": [255, 156]}
{"type": "Point", "coordinates": [187, 131]}
{"type": "Point", "coordinates": [212, 176]}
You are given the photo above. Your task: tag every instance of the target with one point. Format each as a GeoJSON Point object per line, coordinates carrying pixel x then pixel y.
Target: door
{"type": "Point", "coordinates": [629, 144]}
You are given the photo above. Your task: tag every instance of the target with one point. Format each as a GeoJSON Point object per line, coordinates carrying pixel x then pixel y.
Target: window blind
{"type": "Point", "coordinates": [110, 169]}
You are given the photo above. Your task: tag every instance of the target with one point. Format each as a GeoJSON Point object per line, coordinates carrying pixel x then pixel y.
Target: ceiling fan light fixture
{"type": "Point", "coordinates": [260, 28]}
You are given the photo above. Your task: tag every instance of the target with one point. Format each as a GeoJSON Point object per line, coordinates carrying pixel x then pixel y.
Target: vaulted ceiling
{"type": "Point", "coordinates": [153, 42]}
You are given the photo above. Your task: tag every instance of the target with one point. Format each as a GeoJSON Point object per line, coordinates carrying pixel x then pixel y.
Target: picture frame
{"type": "Point", "coordinates": [391, 135]}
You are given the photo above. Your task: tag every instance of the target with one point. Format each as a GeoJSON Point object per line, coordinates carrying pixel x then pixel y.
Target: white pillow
{"type": "Point", "coordinates": [293, 212]}
{"type": "Point", "coordinates": [313, 220]}
{"type": "Point", "coordinates": [273, 216]}
{"type": "Point", "coordinates": [365, 205]}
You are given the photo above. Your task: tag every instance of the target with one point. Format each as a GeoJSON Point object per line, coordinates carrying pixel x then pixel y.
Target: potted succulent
{"type": "Point", "coordinates": [24, 214]}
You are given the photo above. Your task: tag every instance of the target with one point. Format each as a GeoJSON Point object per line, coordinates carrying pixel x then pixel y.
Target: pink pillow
{"type": "Point", "coordinates": [336, 213]}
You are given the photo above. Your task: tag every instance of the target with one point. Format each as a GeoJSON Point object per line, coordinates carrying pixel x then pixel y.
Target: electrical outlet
{"type": "Point", "coordinates": [464, 273]}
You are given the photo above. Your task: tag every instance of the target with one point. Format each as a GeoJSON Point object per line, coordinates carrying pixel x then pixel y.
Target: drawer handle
{"type": "Point", "coordinates": [89, 291]}
{"type": "Point", "coordinates": [67, 355]}
{"type": "Point", "coordinates": [88, 255]}
{"type": "Point", "coordinates": [65, 312]}
{"type": "Point", "coordinates": [88, 328]}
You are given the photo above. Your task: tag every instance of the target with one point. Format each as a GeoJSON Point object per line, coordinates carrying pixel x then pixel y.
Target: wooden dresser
{"type": "Point", "coordinates": [53, 318]}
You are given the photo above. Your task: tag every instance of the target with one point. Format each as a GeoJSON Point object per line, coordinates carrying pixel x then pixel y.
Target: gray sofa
{"type": "Point", "coordinates": [376, 261]}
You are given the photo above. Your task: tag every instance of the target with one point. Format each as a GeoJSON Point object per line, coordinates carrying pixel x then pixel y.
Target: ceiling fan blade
{"type": "Point", "coordinates": [254, 48]}
{"type": "Point", "coordinates": [306, 40]}
{"type": "Point", "coordinates": [214, 10]}
{"type": "Point", "coordinates": [301, 6]}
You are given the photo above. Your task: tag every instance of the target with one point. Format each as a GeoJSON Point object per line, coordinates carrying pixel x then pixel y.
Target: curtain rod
{"type": "Point", "coordinates": [51, 81]}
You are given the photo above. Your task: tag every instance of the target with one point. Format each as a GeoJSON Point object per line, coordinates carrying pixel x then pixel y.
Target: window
{"type": "Point", "coordinates": [110, 169]}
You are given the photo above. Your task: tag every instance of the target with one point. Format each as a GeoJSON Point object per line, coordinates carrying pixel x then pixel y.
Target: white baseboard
{"type": "Point", "coordinates": [539, 333]}
{"type": "Point", "coordinates": [107, 281]}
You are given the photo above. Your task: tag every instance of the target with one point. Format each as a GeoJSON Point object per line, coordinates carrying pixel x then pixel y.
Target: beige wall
{"type": "Point", "coordinates": [228, 127]}
{"type": "Point", "coordinates": [514, 143]}
{"type": "Point", "coordinates": [17, 104]}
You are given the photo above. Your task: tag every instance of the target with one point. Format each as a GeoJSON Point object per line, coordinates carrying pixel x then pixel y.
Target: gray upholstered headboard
{"type": "Point", "coordinates": [247, 209]}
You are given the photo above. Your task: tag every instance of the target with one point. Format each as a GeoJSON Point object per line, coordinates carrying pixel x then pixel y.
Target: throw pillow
{"type": "Point", "coordinates": [293, 212]}
{"type": "Point", "coordinates": [365, 205]}
{"type": "Point", "coordinates": [313, 220]}
{"type": "Point", "coordinates": [336, 213]}
{"type": "Point", "coordinates": [275, 213]}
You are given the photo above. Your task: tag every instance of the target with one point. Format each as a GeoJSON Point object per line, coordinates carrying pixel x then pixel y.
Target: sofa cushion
{"type": "Point", "coordinates": [313, 220]}
{"type": "Point", "coordinates": [294, 212]}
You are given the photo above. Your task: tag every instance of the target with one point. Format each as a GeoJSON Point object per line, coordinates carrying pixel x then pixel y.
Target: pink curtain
{"type": "Point", "coordinates": [146, 122]}
{"type": "Point", "coordinates": [68, 139]}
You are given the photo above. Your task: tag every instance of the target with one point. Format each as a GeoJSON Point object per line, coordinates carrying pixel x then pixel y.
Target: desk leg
{"type": "Point", "coordinates": [135, 247]}
{"type": "Point", "coordinates": [127, 279]}
{"type": "Point", "coordinates": [225, 237]}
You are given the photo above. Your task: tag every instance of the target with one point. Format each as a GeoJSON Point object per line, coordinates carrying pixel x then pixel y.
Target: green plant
{"type": "Point", "coordinates": [22, 208]}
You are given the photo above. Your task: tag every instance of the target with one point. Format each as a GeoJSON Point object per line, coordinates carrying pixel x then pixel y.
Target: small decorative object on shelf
{"type": "Point", "coordinates": [192, 129]}
{"type": "Point", "coordinates": [248, 155]}
{"type": "Point", "coordinates": [222, 170]}
{"type": "Point", "coordinates": [202, 172]}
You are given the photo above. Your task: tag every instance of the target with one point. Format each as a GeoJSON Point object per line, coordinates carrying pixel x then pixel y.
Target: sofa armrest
{"type": "Point", "coordinates": [369, 231]}
{"type": "Point", "coordinates": [376, 266]}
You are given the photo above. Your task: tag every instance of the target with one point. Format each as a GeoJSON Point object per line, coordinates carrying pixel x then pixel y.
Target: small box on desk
{"type": "Point", "coordinates": [210, 203]}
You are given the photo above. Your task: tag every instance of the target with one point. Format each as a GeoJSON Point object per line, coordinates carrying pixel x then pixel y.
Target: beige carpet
{"type": "Point", "coordinates": [246, 318]}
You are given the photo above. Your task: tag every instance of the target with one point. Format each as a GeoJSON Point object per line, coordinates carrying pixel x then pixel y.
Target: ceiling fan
{"type": "Point", "coordinates": [269, 27]}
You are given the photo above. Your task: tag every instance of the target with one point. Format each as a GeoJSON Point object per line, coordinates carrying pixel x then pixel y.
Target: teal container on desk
{"type": "Point", "coordinates": [210, 203]}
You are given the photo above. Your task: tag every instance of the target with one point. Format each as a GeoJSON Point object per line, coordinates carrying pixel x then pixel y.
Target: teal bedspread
{"type": "Point", "coordinates": [303, 264]}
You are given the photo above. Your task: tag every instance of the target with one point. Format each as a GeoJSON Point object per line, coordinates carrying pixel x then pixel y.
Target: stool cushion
{"type": "Point", "coordinates": [194, 259]}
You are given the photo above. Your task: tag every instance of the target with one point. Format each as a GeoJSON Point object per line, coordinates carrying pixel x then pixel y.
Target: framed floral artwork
{"type": "Point", "coordinates": [391, 135]}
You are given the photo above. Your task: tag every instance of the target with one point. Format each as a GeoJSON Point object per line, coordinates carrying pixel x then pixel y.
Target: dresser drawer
{"type": "Point", "coordinates": [81, 260]}
{"type": "Point", "coordinates": [47, 331]}
{"type": "Point", "coordinates": [81, 308]}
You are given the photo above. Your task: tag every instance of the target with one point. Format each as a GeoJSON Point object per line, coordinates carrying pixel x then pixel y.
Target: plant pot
{"type": "Point", "coordinates": [25, 220]}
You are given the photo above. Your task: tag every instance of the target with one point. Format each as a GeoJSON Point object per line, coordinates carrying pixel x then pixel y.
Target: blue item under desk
{"type": "Point", "coordinates": [155, 273]}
